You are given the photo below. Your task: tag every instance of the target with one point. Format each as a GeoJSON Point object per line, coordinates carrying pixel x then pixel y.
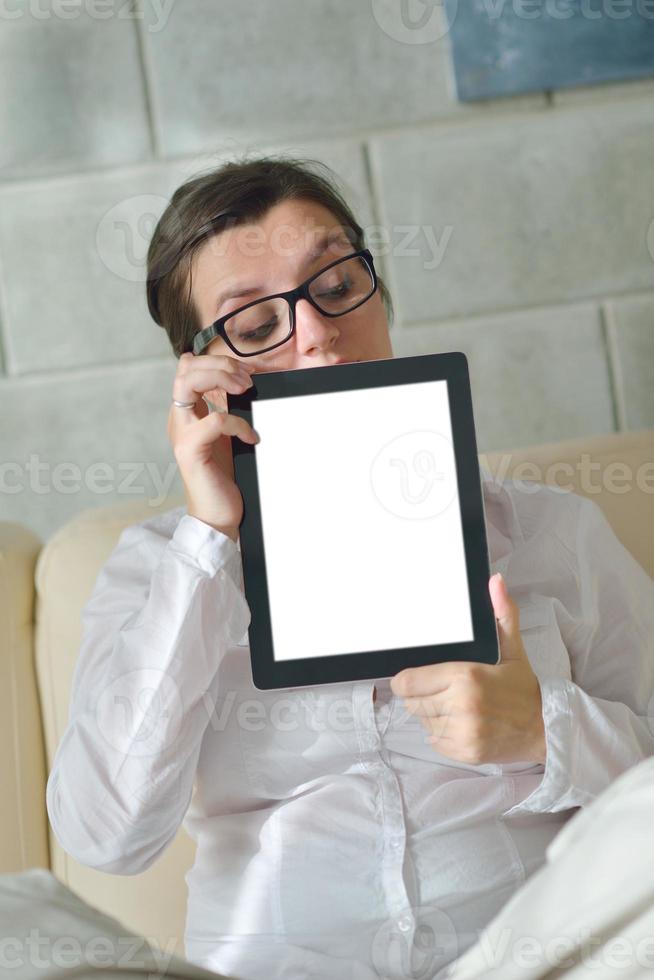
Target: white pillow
{"type": "Point", "coordinates": [47, 932]}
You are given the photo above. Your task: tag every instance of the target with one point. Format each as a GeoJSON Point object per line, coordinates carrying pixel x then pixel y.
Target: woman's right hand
{"type": "Point", "coordinates": [201, 439]}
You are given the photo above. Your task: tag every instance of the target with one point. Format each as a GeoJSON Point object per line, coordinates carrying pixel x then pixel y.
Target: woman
{"type": "Point", "coordinates": [334, 838]}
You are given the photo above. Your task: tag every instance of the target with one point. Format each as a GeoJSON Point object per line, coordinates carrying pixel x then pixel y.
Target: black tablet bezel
{"type": "Point", "coordinates": [452, 367]}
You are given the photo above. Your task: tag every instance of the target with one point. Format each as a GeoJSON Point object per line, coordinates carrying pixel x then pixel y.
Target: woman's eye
{"type": "Point", "coordinates": [259, 332]}
{"type": "Point", "coordinates": [341, 290]}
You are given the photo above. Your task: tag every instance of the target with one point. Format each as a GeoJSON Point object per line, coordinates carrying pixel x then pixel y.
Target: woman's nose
{"type": "Point", "coordinates": [312, 329]}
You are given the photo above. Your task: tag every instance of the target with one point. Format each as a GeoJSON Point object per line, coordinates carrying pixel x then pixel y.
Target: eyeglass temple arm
{"type": "Point", "coordinates": [204, 337]}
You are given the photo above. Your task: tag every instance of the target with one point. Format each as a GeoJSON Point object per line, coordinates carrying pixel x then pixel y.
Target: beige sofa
{"type": "Point", "coordinates": [43, 588]}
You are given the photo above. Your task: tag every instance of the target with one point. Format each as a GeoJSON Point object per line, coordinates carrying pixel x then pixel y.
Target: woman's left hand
{"type": "Point", "coordinates": [477, 713]}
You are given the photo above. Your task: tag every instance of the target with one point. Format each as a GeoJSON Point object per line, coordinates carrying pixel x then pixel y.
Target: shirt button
{"type": "Point", "coordinates": [404, 923]}
{"type": "Point", "coordinates": [396, 842]}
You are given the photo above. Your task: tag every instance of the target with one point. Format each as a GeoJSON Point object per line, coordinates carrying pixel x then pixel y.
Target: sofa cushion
{"type": "Point", "coordinates": [23, 821]}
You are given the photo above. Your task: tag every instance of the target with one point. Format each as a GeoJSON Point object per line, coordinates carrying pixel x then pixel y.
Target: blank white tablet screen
{"type": "Point", "coordinates": [361, 521]}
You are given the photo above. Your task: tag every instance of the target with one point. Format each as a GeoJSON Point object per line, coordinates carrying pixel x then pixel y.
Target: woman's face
{"type": "Point", "coordinates": [277, 254]}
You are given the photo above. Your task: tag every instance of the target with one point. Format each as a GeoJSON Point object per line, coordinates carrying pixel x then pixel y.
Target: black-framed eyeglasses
{"type": "Point", "coordinates": [265, 323]}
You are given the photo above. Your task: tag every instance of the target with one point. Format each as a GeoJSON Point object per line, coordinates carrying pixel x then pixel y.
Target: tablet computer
{"type": "Point", "coordinates": [363, 537]}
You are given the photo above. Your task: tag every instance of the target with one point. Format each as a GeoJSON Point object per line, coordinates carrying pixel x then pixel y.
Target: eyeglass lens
{"type": "Point", "coordinates": [268, 323]}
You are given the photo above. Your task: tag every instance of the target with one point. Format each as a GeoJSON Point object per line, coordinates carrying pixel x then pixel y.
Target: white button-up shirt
{"type": "Point", "coordinates": [332, 840]}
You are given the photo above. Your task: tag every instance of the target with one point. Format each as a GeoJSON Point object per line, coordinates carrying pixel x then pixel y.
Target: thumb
{"type": "Point", "coordinates": [507, 615]}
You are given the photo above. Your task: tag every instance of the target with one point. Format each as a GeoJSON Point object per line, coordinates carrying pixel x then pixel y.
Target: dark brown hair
{"type": "Point", "coordinates": [236, 193]}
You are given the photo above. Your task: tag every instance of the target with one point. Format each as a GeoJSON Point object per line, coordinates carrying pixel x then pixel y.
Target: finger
{"type": "Point", "coordinates": [195, 381]}
{"type": "Point", "coordinates": [417, 681]}
{"type": "Point", "coordinates": [222, 368]}
{"type": "Point", "coordinates": [216, 399]}
{"type": "Point", "coordinates": [507, 615]}
{"type": "Point", "coordinates": [502, 603]}
{"type": "Point", "coordinates": [224, 362]}
{"type": "Point", "coordinates": [433, 706]}
{"type": "Point", "coordinates": [439, 737]}
{"type": "Point", "coordinates": [204, 432]}
{"type": "Point", "coordinates": [440, 730]}
{"type": "Point", "coordinates": [199, 380]}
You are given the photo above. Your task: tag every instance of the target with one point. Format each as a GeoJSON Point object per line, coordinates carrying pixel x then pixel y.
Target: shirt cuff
{"type": "Point", "coordinates": [553, 791]}
{"type": "Point", "coordinates": [203, 545]}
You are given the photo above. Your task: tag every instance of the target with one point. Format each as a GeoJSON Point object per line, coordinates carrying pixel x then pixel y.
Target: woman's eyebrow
{"type": "Point", "coordinates": [321, 246]}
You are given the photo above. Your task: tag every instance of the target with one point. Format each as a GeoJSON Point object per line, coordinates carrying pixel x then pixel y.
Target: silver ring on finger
{"type": "Point", "coordinates": [183, 404]}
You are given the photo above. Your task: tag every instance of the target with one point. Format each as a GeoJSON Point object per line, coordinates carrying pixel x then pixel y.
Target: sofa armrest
{"type": "Point", "coordinates": [23, 821]}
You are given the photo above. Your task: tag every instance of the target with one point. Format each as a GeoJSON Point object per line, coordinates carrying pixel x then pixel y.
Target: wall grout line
{"type": "Point", "coordinates": [454, 119]}
{"type": "Point", "coordinates": [87, 371]}
{"type": "Point", "coordinates": [488, 312]}
{"type": "Point", "coordinates": [374, 182]}
{"type": "Point", "coordinates": [484, 117]}
{"type": "Point", "coordinates": [614, 369]}
{"type": "Point", "coordinates": [387, 272]}
{"type": "Point", "coordinates": [5, 342]}
{"type": "Point", "coordinates": [147, 82]}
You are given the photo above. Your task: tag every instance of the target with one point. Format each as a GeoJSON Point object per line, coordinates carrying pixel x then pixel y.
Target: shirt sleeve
{"type": "Point", "coordinates": [601, 722]}
{"type": "Point", "coordinates": [165, 606]}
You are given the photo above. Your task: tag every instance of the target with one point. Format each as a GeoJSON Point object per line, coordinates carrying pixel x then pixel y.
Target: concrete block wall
{"type": "Point", "coordinates": [518, 230]}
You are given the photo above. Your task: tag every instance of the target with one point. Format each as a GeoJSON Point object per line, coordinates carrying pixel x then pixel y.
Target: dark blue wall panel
{"type": "Point", "coordinates": [503, 48]}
